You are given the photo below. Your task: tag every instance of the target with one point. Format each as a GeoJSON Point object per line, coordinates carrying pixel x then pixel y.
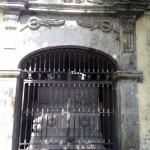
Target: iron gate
{"type": "Point", "coordinates": [67, 101]}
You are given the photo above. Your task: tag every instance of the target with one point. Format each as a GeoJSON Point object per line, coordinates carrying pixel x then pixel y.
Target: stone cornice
{"type": "Point", "coordinates": [125, 75]}
{"type": "Point", "coordinates": [11, 73]}
{"type": "Point", "coordinates": [135, 8]}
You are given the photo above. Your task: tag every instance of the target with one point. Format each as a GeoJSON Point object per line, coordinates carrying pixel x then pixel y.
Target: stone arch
{"type": "Point", "coordinates": [105, 84]}
{"type": "Point", "coordinates": [107, 55]}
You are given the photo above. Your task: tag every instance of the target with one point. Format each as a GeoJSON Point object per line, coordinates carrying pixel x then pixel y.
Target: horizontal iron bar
{"type": "Point", "coordinates": [71, 82]}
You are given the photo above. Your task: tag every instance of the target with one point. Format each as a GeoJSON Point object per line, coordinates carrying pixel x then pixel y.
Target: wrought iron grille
{"type": "Point", "coordinates": [67, 101]}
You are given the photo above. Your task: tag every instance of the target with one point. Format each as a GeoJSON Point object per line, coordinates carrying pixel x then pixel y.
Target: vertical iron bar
{"type": "Point", "coordinates": [75, 61]}
{"type": "Point", "coordinates": [40, 63]}
{"type": "Point", "coordinates": [74, 118]}
{"type": "Point", "coordinates": [68, 109]}
{"type": "Point", "coordinates": [64, 62]}
{"type": "Point", "coordinates": [108, 126]}
{"type": "Point", "coordinates": [93, 64]}
{"type": "Point", "coordinates": [34, 64]}
{"type": "Point", "coordinates": [89, 63]}
{"type": "Point", "coordinates": [84, 70]}
{"type": "Point", "coordinates": [42, 109]}
{"type": "Point", "coordinates": [37, 113]}
{"type": "Point", "coordinates": [98, 65]}
{"type": "Point", "coordinates": [102, 66]}
{"type": "Point", "coordinates": [27, 112]}
{"type": "Point", "coordinates": [79, 62]}
{"type": "Point", "coordinates": [32, 109]}
{"type": "Point", "coordinates": [83, 103]}
{"type": "Point", "coordinates": [113, 116]}
{"type": "Point", "coordinates": [69, 62]}
{"type": "Point", "coordinates": [62, 114]}
{"type": "Point", "coordinates": [45, 62]}
{"type": "Point", "coordinates": [49, 61]}
{"type": "Point", "coordinates": [103, 92]}
{"type": "Point", "coordinates": [54, 62]}
{"type": "Point", "coordinates": [59, 63]}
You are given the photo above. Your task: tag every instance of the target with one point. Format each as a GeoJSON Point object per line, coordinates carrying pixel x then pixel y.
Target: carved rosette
{"type": "Point", "coordinates": [10, 20]}
{"type": "Point", "coordinates": [128, 31]}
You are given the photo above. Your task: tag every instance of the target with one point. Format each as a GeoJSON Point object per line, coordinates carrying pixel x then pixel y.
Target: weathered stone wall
{"type": "Point", "coordinates": [143, 63]}
{"type": "Point", "coordinates": [116, 39]}
{"type": "Point", "coordinates": [7, 103]}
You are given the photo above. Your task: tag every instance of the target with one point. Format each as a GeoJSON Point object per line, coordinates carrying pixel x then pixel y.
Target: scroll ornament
{"type": "Point", "coordinates": [104, 25]}
{"type": "Point", "coordinates": [35, 23]}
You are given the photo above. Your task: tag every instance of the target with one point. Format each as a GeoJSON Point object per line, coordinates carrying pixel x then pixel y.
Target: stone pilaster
{"type": "Point", "coordinates": [127, 115]}
{"type": "Point", "coordinates": [8, 93]}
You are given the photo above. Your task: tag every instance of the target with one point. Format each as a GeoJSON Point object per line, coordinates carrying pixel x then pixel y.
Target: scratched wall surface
{"type": "Point", "coordinates": [143, 64]}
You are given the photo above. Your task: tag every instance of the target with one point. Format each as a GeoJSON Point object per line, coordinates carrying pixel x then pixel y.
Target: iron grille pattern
{"type": "Point", "coordinates": [67, 101]}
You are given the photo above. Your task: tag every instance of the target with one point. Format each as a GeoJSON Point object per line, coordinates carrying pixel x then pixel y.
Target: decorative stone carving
{"type": "Point", "coordinates": [10, 20]}
{"type": "Point", "coordinates": [83, 1]}
{"type": "Point", "coordinates": [72, 1]}
{"type": "Point", "coordinates": [104, 25]}
{"type": "Point", "coordinates": [128, 26]}
{"type": "Point", "coordinates": [35, 23]}
{"type": "Point", "coordinates": [95, 1]}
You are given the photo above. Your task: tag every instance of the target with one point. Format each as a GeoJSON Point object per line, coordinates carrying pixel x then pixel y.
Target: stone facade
{"type": "Point", "coordinates": [143, 53]}
{"type": "Point", "coordinates": [29, 27]}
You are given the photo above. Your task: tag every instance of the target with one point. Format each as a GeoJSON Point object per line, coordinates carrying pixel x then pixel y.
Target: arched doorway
{"type": "Point", "coordinates": [68, 101]}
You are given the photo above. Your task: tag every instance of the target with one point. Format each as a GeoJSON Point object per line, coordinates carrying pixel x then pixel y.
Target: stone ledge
{"type": "Point", "coordinates": [125, 75]}
{"type": "Point", "coordinates": [136, 8]}
{"type": "Point", "coordinates": [11, 73]}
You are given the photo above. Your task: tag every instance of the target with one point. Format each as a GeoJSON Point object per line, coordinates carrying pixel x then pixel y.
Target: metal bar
{"type": "Point", "coordinates": [32, 108]}
{"type": "Point", "coordinates": [49, 62]}
{"type": "Point", "coordinates": [103, 100]}
{"type": "Point", "coordinates": [72, 82]}
{"type": "Point", "coordinates": [75, 54]}
{"type": "Point", "coordinates": [89, 62]}
{"type": "Point", "coordinates": [55, 63]}
{"type": "Point", "coordinates": [44, 62]}
{"type": "Point", "coordinates": [84, 70]}
{"type": "Point", "coordinates": [64, 61]}
{"type": "Point", "coordinates": [27, 112]}
{"type": "Point", "coordinates": [54, 69]}
{"type": "Point", "coordinates": [69, 62]}
{"type": "Point", "coordinates": [59, 68]}
{"type": "Point", "coordinates": [74, 119]}
{"type": "Point", "coordinates": [40, 63]}
{"type": "Point", "coordinates": [35, 64]}
{"type": "Point", "coordinates": [79, 62]}
{"type": "Point", "coordinates": [93, 64]}
{"type": "Point", "coordinates": [68, 110]}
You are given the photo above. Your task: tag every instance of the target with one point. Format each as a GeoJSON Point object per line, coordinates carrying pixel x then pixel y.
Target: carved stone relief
{"type": "Point", "coordinates": [35, 23]}
{"type": "Point", "coordinates": [84, 1]}
{"type": "Point", "coordinates": [10, 20]}
{"type": "Point", "coordinates": [128, 25]}
{"type": "Point", "coordinates": [104, 25]}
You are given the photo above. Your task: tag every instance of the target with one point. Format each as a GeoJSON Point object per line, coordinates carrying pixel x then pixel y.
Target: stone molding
{"type": "Point", "coordinates": [11, 73]}
{"type": "Point", "coordinates": [125, 75]}
{"type": "Point", "coordinates": [136, 8]}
